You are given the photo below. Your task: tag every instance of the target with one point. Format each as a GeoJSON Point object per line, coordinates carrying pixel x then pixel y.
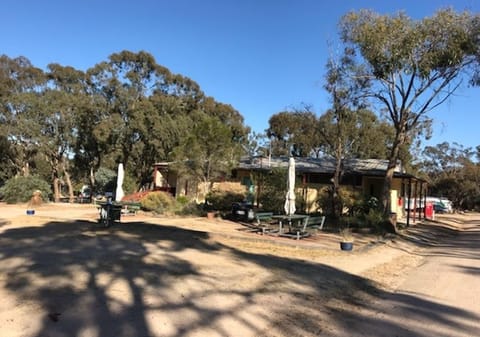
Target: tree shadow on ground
{"type": "Point", "coordinates": [444, 240]}
{"type": "Point", "coordinates": [140, 279]}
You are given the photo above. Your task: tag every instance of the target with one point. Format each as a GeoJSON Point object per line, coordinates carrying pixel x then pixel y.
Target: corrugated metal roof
{"type": "Point", "coordinates": [317, 165]}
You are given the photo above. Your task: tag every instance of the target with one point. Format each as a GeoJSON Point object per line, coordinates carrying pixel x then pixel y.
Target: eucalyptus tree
{"type": "Point", "coordinates": [412, 66]}
{"type": "Point", "coordinates": [136, 104]}
{"type": "Point", "coordinates": [339, 127]}
{"type": "Point", "coordinates": [453, 173]}
{"type": "Point", "coordinates": [56, 113]}
{"type": "Point", "coordinates": [228, 116]}
{"type": "Point", "coordinates": [20, 82]}
{"type": "Point", "coordinates": [293, 133]}
{"type": "Point", "coordinates": [257, 144]}
{"type": "Point", "coordinates": [208, 152]}
{"type": "Point", "coordinates": [7, 161]}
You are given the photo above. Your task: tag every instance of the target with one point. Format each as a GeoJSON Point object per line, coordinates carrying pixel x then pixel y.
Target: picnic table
{"type": "Point", "coordinates": [295, 224]}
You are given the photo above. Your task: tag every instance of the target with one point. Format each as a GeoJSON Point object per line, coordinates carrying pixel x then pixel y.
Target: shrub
{"type": "Point", "coordinates": [223, 195]}
{"type": "Point", "coordinates": [273, 190]}
{"type": "Point", "coordinates": [158, 202]}
{"type": "Point", "coordinates": [183, 200]}
{"type": "Point", "coordinates": [223, 200]}
{"type": "Point", "coordinates": [375, 219]}
{"type": "Point", "coordinates": [189, 208]}
{"type": "Point", "coordinates": [20, 189]}
{"type": "Point", "coordinates": [345, 202]}
{"type": "Point", "coordinates": [129, 185]}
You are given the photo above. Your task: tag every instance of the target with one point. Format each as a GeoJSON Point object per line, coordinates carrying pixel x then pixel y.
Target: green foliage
{"type": "Point", "coordinates": [7, 155]}
{"type": "Point", "coordinates": [345, 201]}
{"type": "Point", "coordinates": [183, 200]}
{"type": "Point", "coordinates": [20, 189]}
{"type": "Point", "coordinates": [293, 133]}
{"type": "Point", "coordinates": [209, 152]}
{"type": "Point", "coordinates": [273, 189]}
{"type": "Point", "coordinates": [184, 206]}
{"type": "Point", "coordinates": [158, 202]}
{"type": "Point", "coordinates": [223, 200]}
{"type": "Point", "coordinates": [129, 185]}
{"type": "Point", "coordinates": [453, 172]}
{"type": "Point", "coordinates": [126, 109]}
{"type": "Point", "coordinates": [105, 180]}
{"type": "Point", "coordinates": [366, 212]}
{"type": "Point", "coordinates": [409, 67]}
{"type": "Point", "coordinates": [374, 218]}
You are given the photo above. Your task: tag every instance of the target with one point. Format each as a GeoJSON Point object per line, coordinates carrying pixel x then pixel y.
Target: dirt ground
{"type": "Point", "coordinates": [61, 274]}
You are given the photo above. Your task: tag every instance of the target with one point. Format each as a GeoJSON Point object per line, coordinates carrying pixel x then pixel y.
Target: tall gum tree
{"type": "Point", "coordinates": [20, 82]}
{"type": "Point", "coordinates": [412, 66]}
{"type": "Point", "coordinates": [140, 103]}
{"type": "Point", "coordinates": [293, 133]}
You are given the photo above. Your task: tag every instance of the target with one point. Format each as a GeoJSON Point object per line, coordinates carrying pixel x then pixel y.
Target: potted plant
{"type": "Point", "coordinates": [346, 242]}
{"type": "Point", "coordinates": [211, 215]}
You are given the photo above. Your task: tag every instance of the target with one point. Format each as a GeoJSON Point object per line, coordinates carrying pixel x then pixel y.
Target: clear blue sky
{"type": "Point", "coordinates": [260, 56]}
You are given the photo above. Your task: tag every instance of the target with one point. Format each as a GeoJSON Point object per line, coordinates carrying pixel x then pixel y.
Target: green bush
{"type": "Point", "coordinates": [346, 200]}
{"type": "Point", "coordinates": [20, 189]}
{"type": "Point", "coordinates": [273, 190]}
{"type": "Point", "coordinates": [223, 200]}
{"type": "Point", "coordinates": [158, 202]}
{"type": "Point", "coordinates": [183, 200]}
{"type": "Point", "coordinates": [129, 185]}
{"type": "Point", "coordinates": [189, 208]}
{"type": "Point", "coordinates": [374, 218]}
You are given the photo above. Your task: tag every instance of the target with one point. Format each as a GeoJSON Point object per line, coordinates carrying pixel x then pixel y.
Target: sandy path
{"type": "Point", "coordinates": [438, 298]}
{"type": "Point", "coordinates": [181, 277]}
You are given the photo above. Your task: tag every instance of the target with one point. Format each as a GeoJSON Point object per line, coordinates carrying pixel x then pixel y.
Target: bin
{"type": "Point", "coordinates": [429, 210]}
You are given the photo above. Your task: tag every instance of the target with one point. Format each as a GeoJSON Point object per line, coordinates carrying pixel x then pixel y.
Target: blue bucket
{"type": "Point", "coordinates": [346, 245]}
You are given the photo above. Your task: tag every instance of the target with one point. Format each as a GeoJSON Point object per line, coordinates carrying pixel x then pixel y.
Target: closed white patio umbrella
{"type": "Point", "coordinates": [290, 197]}
{"type": "Point", "coordinates": [119, 191]}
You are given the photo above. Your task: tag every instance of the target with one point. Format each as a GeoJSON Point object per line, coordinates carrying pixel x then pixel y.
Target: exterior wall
{"type": "Point", "coordinates": [160, 180]}
{"type": "Point", "coordinates": [374, 186]}
{"type": "Point", "coordinates": [164, 178]}
{"type": "Point", "coordinates": [395, 198]}
{"type": "Point", "coordinates": [311, 193]}
{"type": "Point", "coordinates": [184, 187]}
{"type": "Point", "coordinates": [370, 186]}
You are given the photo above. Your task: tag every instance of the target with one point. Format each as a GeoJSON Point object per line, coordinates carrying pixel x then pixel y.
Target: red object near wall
{"type": "Point", "coordinates": [429, 210]}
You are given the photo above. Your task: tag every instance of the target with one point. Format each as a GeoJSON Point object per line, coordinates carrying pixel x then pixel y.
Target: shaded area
{"type": "Point", "coordinates": [444, 240]}
{"type": "Point", "coordinates": [449, 251]}
{"type": "Point", "coordinates": [469, 270]}
{"type": "Point", "coordinates": [140, 279]}
{"type": "Point", "coordinates": [413, 317]}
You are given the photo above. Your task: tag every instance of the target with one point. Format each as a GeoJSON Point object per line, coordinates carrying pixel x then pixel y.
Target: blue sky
{"type": "Point", "coordinates": [260, 56]}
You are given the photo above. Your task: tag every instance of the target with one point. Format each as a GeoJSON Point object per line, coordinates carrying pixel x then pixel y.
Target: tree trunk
{"type": "Point", "coordinates": [336, 202]}
{"type": "Point", "coordinates": [93, 189]}
{"type": "Point", "coordinates": [392, 163]}
{"type": "Point", "coordinates": [71, 196]}
{"type": "Point", "coordinates": [56, 188]}
{"type": "Point", "coordinates": [26, 170]}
